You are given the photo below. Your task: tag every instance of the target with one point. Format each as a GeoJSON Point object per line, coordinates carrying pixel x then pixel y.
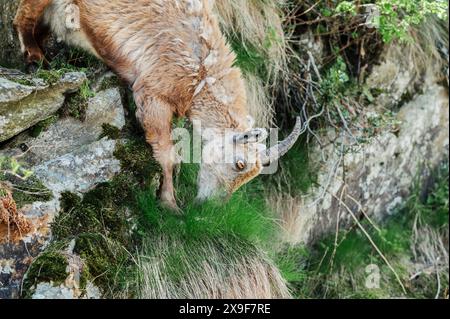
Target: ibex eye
{"type": "Point", "coordinates": [241, 165]}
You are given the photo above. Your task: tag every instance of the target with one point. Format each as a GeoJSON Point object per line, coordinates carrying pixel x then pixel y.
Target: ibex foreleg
{"type": "Point", "coordinates": [28, 27]}
{"type": "Point", "coordinates": [155, 116]}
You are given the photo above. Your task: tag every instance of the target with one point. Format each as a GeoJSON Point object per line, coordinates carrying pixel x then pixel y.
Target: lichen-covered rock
{"type": "Point", "coordinates": [69, 134]}
{"type": "Point", "coordinates": [69, 155]}
{"type": "Point", "coordinates": [24, 105]}
{"type": "Point", "coordinates": [375, 178]}
{"type": "Point", "coordinates": [81, 170]}
{"type": "Point", "coordinates": [73, 285]}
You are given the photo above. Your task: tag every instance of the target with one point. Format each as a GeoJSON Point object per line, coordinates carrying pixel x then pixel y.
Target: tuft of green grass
{"type": "Point", "coordinates": [245, 215]}
{"type": "Point", "coordinates": [289, 260]}
{"type": "Point", "coordinates": [249, 59]}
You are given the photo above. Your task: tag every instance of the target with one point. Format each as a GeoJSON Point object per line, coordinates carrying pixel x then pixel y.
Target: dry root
{"type": "Point", "coordinates": [10, 216]}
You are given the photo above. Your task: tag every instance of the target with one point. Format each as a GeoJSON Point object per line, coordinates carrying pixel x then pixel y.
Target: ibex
{"type": "Point", "coordinates": [177, 62]}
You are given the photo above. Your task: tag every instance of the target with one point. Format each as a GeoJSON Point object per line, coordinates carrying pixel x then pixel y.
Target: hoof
{"type": "Point", "coordinates": [173, 207]}
{"type": "Point", "coordinates": [35, 59]}
{"type": "Point", "coordinates": [32, 68]}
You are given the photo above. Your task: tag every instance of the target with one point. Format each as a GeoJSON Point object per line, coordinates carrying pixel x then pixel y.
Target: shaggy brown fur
{"type": "Point", "coordinates": [172, 53]}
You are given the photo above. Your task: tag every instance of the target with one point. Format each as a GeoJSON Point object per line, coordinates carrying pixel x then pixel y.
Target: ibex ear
{"type": "Point", "coordinates": [256, 135]}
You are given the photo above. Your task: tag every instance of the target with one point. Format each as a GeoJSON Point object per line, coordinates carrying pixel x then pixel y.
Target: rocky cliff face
{"type": "Point", "coordinates": [373, 179]}
{"type": "Point", "coordinates": [69, 155]}
{"type": "Point", "coordinates": [43, 155]}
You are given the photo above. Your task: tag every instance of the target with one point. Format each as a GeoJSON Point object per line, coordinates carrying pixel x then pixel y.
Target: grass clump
{"type": "Point", "coordinates": [245, 215]}
{"type": "Point", "coordinates": [343, 266]}
{"type": "Point", "coordinates": [217, 268]}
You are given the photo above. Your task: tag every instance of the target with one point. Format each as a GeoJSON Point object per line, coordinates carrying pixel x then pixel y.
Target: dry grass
{"type": "Point", "coordinates": [288, 209]}
{"type": "Point", "coordinates": [169, 269]}
{"type": "Point", "coordinates": [259, 25]}
{"type": "Point", "coordinates": [259, 102]}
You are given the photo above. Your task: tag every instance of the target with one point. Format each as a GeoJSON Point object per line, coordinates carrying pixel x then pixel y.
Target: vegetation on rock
{"type": "Point", "coordinates": [300, 58]}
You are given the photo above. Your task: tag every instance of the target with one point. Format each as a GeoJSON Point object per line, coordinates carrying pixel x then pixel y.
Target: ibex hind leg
{"type": "Point", "coordinates": [28, 26]}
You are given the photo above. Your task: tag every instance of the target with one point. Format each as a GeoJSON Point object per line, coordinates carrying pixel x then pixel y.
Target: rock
{"type": "Point", "coordinates": [10, 55]}
{"type": "Point", "coordinates": [68, 156]}
{"type": "Point", "coordinates": [377, 177]}
{"type": "Point", "coordinates": [80, 170]}
{"type": "Point", "coordinates": [70, 134]}
{"type": "Point", "coordinates": [22, 106]}
{"type": "Point", "coordinates": [48, 291]}
{"type": "Point", "coordinates": [71, 288]}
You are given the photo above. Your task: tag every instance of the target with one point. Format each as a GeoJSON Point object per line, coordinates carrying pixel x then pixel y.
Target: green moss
{"type": "Point", "coordinates": [103, 257]}
{"type": "Point", "coordinates": [136, 158]}
{"type": "Point", "coordinates": [102, 222]}
{"type": "Point", "coordinates": [50, 266]}
{"type": "Point", "coordinates": [101, 225]}
{"type": "Point", "coordinates": [76, 104]}
{"type": "Point", "coordinates": [110, 131]}
{"type": "Point", "coordinates": [110, 82]}
{"type": "Point", "coordinates": [96, 213]}
{"type": "Point", "coordinates": [42, 126]}
{"type": "Point", "coordinates": [30, 190]}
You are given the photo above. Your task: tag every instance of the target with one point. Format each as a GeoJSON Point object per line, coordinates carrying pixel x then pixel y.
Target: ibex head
{"type": "Point", "coordinates": [233, 160]}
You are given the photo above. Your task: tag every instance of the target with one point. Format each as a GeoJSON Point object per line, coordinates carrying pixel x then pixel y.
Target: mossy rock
{"type": "Point", "coordinates": [104, 258]}
{"type": "Point", "coordinates": [50, 266]}
{"type": "Point", "coordinates": [27, 190]}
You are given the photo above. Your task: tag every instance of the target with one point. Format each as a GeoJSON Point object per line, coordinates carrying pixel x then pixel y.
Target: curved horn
{"type": "Point", "coordinates": [275, 152]}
